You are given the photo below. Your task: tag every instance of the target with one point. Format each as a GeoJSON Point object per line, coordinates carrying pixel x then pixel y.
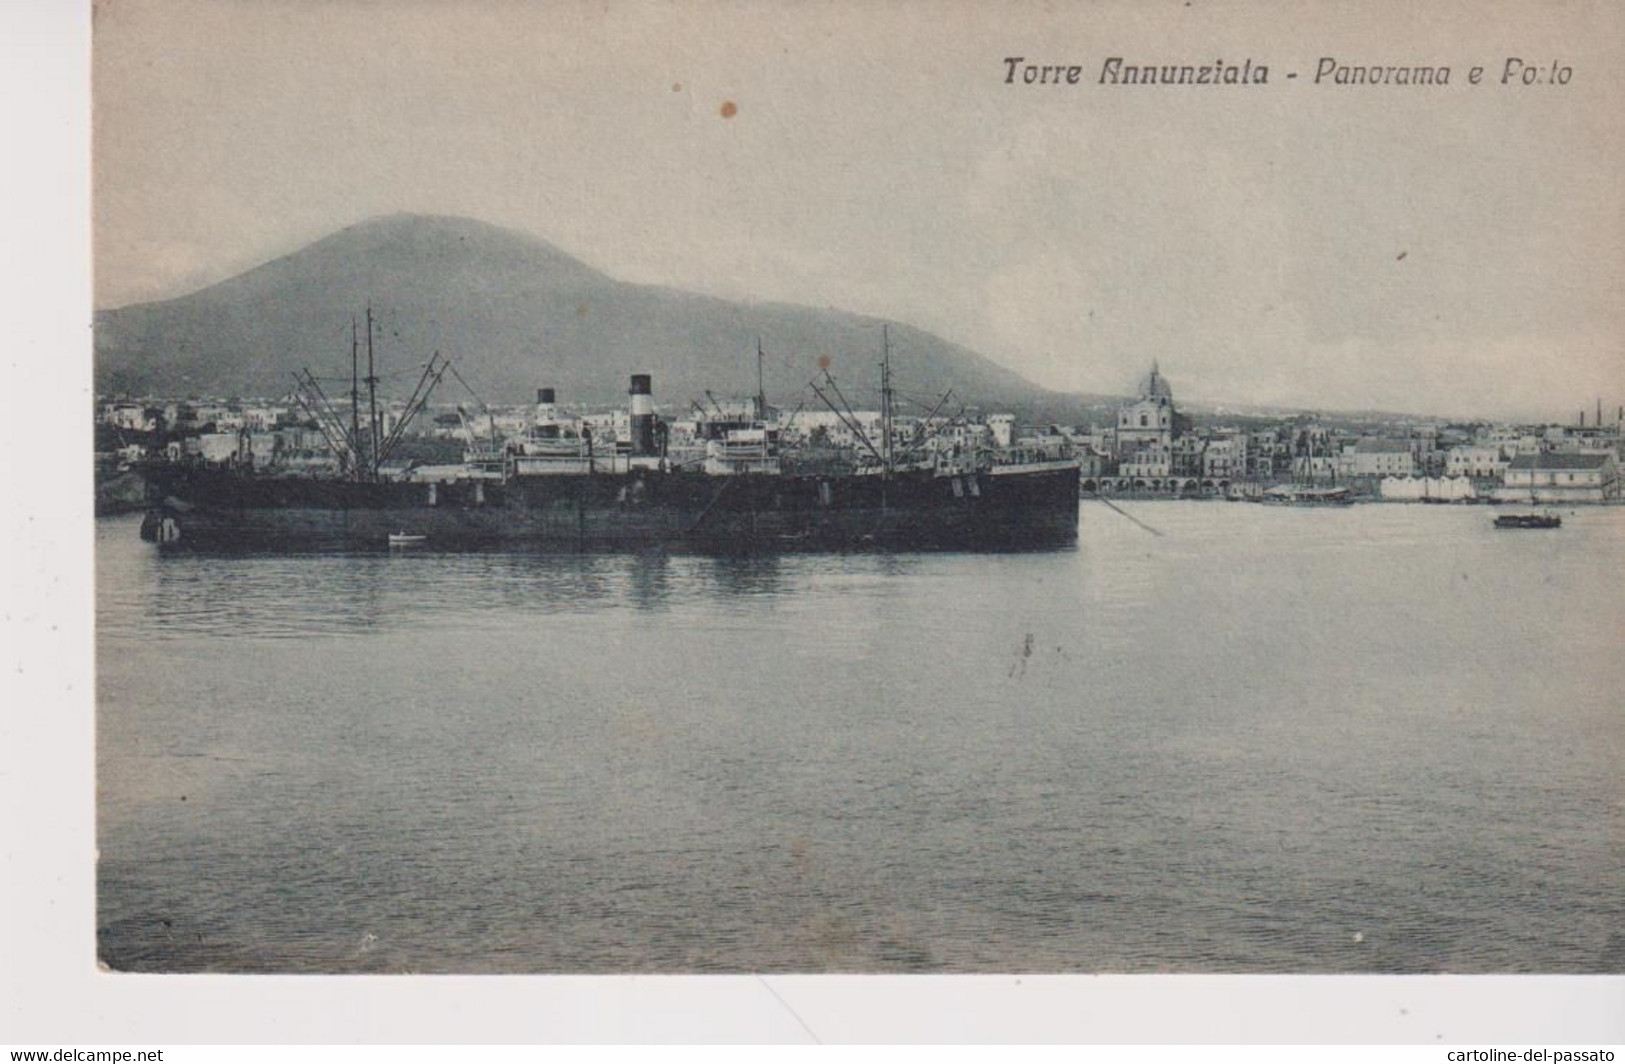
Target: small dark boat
{"type": "Point", "coordinates": [1528, 521]}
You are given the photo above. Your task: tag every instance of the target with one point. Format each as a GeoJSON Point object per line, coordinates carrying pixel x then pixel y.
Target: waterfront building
{"type": "Point", "coordinates": [1594, 440]}
{"type": "Point", "coordinates": [229, 420]}
{"type": "Point", "coordinates": [303, 440]}
{"type": "Point", "coordinates": [1559, 477]}
{"type": "Point", "coordinates": [1224, 458]}
{"type": "Point", "coordinates": [829, 428]}
{"type": "Point", "coordinates": [1314, 468]}
{"type": "Point", "coordinates": [1268, 454]}
{"type": "Point", "coordinates": [1152, 461]}
{"type": "Point", "coordinates": [450, 427]}
{"type": "Point", "coordinates": [132, 417]}
{"type": "Point", "coordinates": [180, 415]}
{"type": "Point", "coordinates": [1093, 463]}
{"type": "Point", "coordinates": [1425, 447]}
{"type": "Point", "coordinates": [1373, 456]}
{"type": "Point", "coordinates": [1426, 489]}
{"type": "Point", "coordinates": [1311, 450]}
{"type": "Point", "coordinates": [213, 446]}
{"type": "Point", "coordinates": [1185, 454]}
{"type": "Point", "coordinates": [206, 414]}
{"type": "Point", "coordinates": [260, 418]}
{"type": "Point", "coordinates": [259, 448]}
{"type": "Point", "coordinates": [1482, 462]}
{"type": "Point", "coordinates": [1457, 436]}
{"type": "Point", "coordinates": [1526, 443]}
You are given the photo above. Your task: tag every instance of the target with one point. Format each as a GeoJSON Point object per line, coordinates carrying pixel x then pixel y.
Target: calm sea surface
{"type": "Point", "coordinates": [1376, 739]}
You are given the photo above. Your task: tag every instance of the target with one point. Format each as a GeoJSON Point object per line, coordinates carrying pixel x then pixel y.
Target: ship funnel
{"type": "Point", "coordinates": [643, 414]}
{"type": "Point", "coordinates": [547, 420]}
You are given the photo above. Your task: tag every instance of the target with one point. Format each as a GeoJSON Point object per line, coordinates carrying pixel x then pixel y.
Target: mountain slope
{"type": "Point", "coordinates": [515, 313]}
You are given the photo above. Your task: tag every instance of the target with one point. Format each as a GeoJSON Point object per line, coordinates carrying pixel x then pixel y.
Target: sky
{"type": "Point", "coordinates": [1457, 249]}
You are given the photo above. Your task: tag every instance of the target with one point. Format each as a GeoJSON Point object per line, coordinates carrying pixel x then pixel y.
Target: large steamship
{"type": "Point", "coordinates": [558, 488]}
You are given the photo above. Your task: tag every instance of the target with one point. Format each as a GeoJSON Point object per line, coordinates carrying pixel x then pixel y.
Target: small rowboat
{"type": "Point", "coordinates": [407, 539]}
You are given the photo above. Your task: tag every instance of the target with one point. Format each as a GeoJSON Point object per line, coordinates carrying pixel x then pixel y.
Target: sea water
{"type": "Point", "coordinates": [1241, 739]}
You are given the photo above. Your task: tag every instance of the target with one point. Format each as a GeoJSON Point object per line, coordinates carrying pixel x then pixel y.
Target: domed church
{"type": "Point", "coordinates": [1149, 420]}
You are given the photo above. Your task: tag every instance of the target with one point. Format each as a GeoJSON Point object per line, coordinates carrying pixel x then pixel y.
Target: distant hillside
{"type": "Point", "coordinates": [515, 313]}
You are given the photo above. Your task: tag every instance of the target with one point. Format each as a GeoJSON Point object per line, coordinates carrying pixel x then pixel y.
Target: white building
{"type": "Point", "coordinates": [1371, 456]}
{"type": "Point", "coordinates": [1557, 478]}
{"type": "Point", "coordinates": [214, 446]}
{"type": "Point", "coordinates": [1475, 461]}
{"type": "Point", "coordinates": [133, 417]}
{"type": "Point", "coordinates": [1004, 429]}
{"type": "Point", "coordinates": [260, 418]}
{"type": "Point", "coordinates": [1418, 489]}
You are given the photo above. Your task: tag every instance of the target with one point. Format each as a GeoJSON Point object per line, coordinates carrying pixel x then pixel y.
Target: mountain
{"type": "Point", "coordinates": [515, 313]}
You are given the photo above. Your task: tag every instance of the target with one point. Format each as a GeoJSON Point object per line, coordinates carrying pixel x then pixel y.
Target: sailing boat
{"type": "Point", "coordinates": [1304, 491]}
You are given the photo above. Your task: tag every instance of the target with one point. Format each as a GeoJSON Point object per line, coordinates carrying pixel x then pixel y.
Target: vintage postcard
{"type": "Point", "coordinates": [884, 487]}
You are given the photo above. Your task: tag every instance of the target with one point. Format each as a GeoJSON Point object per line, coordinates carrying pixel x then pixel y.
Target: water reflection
{"type": "Point", "coordinates": [294, 595]}
{"type": "Point", "coordinates": [529, 583]}
{"type": "Point", "coordinates": [649, 580]}
{"type": "Point", "coordinates": [759, 574]}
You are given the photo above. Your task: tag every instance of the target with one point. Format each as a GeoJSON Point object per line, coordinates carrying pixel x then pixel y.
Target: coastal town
{"type": "Point", "coordinates": [1146, 448]}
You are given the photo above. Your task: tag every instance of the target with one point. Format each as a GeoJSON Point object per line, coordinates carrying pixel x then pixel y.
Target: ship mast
{"type": "Point", "coordinates": [761, 390]}
{"type": "Point", "coordinates": [885, 400]}
{"type": "Point", "coordinates": [372, 401]}
{"type": "Point", "coordinates": [355, 402]}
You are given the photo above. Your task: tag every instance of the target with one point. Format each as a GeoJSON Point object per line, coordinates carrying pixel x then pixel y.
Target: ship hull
{"type": "Point", "coordinates": [210, 509]}
{"type": "Point", "coordinates": [1528, 521]}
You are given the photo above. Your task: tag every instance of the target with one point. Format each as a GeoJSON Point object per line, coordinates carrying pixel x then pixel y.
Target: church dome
{"type": "Point", "coordinates": [1156, 385]}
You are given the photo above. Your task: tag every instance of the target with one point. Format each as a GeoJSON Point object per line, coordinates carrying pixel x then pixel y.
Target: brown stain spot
{"type": "Point", "coordinates": [823, 362]}
{"type": "Point", "coordinates": [677, 86]}
{"type": "Point", "coordinates": [1401, 257]}
{"type": "Point", "coordinates": [800, 858]}
{"type": "Point", "coordinates": [729, 109]}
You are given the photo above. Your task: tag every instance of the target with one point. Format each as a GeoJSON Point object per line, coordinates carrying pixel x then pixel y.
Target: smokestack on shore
{"type": "Point", "coordinates": [643, 415]}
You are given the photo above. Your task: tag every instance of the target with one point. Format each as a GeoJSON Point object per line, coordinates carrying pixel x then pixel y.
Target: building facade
{"type": "Point", "coordinates": [1482, 463]}
{"type": "Point", "coordinates": [1371, 456]}
{"type": "Point", "coordinates": [1149, 420]}
{"type": "Point", "coordinates": [1556, 477]}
